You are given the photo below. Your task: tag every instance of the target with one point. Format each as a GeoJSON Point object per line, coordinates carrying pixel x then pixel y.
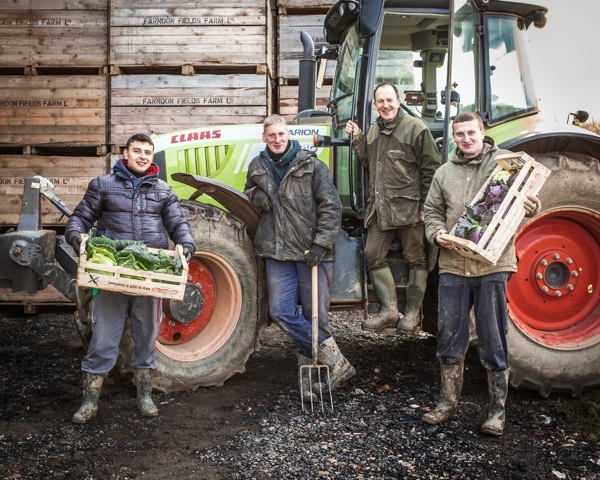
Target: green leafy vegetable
{"type": "Point", "coordinates": [130, 254]}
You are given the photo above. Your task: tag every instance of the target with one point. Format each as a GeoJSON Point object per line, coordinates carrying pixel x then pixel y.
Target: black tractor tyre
{"type": "Point", "coordinates": [232, 333]}
{"type": "Point", "coordinates": [554, 338]}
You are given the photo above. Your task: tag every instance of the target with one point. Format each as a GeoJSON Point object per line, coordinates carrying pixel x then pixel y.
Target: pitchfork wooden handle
{"type": "Point", "coordinates": [315, 313]}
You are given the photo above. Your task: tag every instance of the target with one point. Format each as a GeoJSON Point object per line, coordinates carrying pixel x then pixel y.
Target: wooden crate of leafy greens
{"type": "Point", "coordinates": [493, 217]}
{"type": "Point", "coordinates": [129, 266]}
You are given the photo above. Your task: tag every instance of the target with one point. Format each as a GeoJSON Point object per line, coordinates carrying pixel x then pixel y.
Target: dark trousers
{"type": "Point", "coordinates": [487, 295]}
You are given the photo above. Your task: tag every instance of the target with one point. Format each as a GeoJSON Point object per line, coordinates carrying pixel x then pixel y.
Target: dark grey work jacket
{"type": "Point", "coordinates": [305, 209]}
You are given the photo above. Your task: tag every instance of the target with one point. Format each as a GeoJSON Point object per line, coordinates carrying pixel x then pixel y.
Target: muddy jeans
{"type": "Point", "coordinates": [487, 294]}
{"type": "Point", "coordinates": [108, 322]}
{"type": "Point", "coordinates": [289, 283]}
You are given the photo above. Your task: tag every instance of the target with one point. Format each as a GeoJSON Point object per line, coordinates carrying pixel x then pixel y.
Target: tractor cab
{"type": "Point", "coordinates": [444, 57]}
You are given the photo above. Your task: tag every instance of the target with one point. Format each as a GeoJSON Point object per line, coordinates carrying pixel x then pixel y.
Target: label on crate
{"type": "Point", "coordinates": [187, 101]}
{"type": "Point", "coordinates": [34, 103]}
{"type": "Point", "coordinates": [21, 180]}
{"type": "Point", "coordinates": [188, 21]}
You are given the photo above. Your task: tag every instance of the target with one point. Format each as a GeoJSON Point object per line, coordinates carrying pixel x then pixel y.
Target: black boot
{"type": "Point", "coordinates": [452, 381]}
{"type": "Point", "coordinates": [497, 390]}
{"type": "Point", "coordinates": [143, 380]}
{"type": "Point", "coordinates": [92, 386]}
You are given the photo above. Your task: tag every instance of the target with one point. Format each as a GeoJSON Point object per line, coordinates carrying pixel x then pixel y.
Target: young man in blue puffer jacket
{"type": "Point", "coordinates": [131, 203]}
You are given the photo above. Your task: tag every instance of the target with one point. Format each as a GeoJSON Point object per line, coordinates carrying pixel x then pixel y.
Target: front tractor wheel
{"type": "Point", "coordinates": [554, 298]}
{"type": "Point", "coordinates": [214, 342]}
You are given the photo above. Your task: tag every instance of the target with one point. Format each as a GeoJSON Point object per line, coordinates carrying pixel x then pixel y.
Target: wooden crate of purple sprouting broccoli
{"type": "Point", "coordinates": [530, 177]}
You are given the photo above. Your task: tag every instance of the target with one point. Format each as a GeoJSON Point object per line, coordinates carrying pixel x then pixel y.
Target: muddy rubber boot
{"type": "Point", "coordinates": [143, 400]}
{"type": "Point", "coordinates": [340, 369]}
{"type": "Point", "coordinates": [452, 381]}
{"type": "Point", "coordinates": [497, 390]}
{"type": "Point", "coordinates": [415, 291]}
{"type": "Point", "coordinates": [385, 287]}
{"type": "Point", "coordinates": [304, 380]}
{"type": "Point", "coordinates": [92, 386]}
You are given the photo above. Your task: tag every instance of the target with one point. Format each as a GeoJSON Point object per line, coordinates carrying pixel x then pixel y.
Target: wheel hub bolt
{"type": "Point", "coordinates": [539, 276]}
{"type": "Point", "coordinates": [556, 256]}
{"type": "Point", "coordinates": [574, 274]}
{"type": "Point", "coordinates": [557, 294]}
{"type": "Point", "coordinates": [570, 287]}
{"type": "Point", "coordinates": [545, 289]}
{"type": "Point", "coordinates": [569, 261]}
{"type": "Point", "coordinates": [544, 262]}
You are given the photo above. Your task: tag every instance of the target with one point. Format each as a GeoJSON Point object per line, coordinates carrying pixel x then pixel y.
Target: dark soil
{"type": "Point", "coordinates": [253, 427]}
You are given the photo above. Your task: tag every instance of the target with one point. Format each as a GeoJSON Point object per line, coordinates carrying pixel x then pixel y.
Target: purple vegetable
{"type": "Point", "coordinates": [475, 235]}
{"type": "Point", "coordinates": [496, 194]}
{"type": "Point", "coordinates": [464, 225]}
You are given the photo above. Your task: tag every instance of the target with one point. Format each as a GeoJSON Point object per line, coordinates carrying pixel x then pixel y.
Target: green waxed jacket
{"type": "Point", "coordinates": [402, 158]}
{"type": "Point", "coordinates": [454, 184]}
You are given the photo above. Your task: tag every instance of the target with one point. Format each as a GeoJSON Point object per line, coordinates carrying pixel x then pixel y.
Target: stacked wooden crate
{"type": "Point", "coordinates": [176, 65]}
{"type": "Point", "coordinates": [53, 100]}
{"type": "Point", "coordinates": [295, 16]}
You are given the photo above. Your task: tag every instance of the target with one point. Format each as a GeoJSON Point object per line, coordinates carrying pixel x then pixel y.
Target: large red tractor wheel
{"type": "Point", "coordinates": [554, 298]}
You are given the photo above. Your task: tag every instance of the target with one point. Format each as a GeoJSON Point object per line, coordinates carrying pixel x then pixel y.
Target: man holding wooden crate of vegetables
{"type": "Point", "coordinates": [467, 282]}
{"type": "Point", "coordinates": [129, 204]}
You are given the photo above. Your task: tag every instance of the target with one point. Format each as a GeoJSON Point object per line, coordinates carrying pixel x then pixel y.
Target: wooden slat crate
{"type": "Point", "coordinates": [295, 5]}
{"type": "Point", "coordinates": [529, 181]}
{"type": "Point", "coordinates": [147, 283]}
{"type": "Point", "coordinates": [69, 175]}
{"type": "Point", "coordinates": [53, 109]}
{"type": "Point", "coordinates": [290, 47]}
{"type": "Point", "coordinates": [288, 100]}
{"type": "Point", "coordinates": [59, 32]}
{"type": "Point", "coordinates": [156, 104]}
{"type": "Point", "coordinates": [161, 32]}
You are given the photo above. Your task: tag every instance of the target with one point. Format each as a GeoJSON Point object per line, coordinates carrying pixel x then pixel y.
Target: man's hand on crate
{"type": "Point", "coordinates": [187, 253]}
{"type": "Point", "coordinates": [443, 243]}
{"type": "Point", "coordinates": [532, 206]}
{"type": "Point", "coordinates": [76, 244]}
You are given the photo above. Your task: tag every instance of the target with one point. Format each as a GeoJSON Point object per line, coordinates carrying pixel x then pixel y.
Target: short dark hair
{"type": "Point", "coordinates": [467, 117]}
{"type": "Point", "coordinates": [383, 84]}
{"type": "Point", "coordinates": [139, 137]}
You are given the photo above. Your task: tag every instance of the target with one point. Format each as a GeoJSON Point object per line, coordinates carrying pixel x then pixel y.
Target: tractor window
{"type": "Point", "coordinates": [465, 59]}
{"type": "Point", "coordinates": [345, 76]}
{"type": "Point", "coordinates": [343, 96]}
{"type": "Point", "coordinates": [412, 56]}
{"type": "Point", "coordinates": [511, 90]}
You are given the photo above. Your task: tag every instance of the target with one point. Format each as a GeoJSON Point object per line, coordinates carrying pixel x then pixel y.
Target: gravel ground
{"type": "Point", "coordinates": [253, 427]}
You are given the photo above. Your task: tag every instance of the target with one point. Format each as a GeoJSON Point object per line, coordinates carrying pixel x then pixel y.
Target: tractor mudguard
{"type": "Point", "coordinates": [234, 201]}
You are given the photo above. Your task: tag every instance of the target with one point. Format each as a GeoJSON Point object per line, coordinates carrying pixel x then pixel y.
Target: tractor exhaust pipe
{"type": "Point", "coordinates": [307, 76]}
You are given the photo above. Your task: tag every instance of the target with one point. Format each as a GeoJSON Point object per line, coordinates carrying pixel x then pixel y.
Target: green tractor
{"type": "Point", "coordinates": [445, 56]}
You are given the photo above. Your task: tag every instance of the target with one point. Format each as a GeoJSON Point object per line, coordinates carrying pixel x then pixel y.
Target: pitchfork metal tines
{"type": "Point", "coordinates": [314, 378]}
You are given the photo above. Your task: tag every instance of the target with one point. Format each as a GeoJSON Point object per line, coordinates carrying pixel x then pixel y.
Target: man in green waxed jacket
{"type": "Point", "coordinates": [467, 283]}
{"type": "Point", "coordinates": [402, 157]}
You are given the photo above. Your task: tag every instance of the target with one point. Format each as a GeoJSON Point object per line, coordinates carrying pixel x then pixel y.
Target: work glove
{"type": "Point", "coordinates": [187, 253]}
{"type": "Point", "coordinates": [76, 244]}
{"type": "Point", "coordinates": [532, 206]}
{"type": "Point", "coordinates": [315, 255]}
{"type": "Point", "coordinates": [261, 200]}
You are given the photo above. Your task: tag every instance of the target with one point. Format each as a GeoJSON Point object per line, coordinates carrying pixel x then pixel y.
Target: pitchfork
{"type": "Point", "coordinates": [321, 372]}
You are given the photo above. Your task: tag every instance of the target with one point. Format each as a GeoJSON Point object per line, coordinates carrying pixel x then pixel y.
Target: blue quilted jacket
{"type": "Point", "coordinates": [124, 207]}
